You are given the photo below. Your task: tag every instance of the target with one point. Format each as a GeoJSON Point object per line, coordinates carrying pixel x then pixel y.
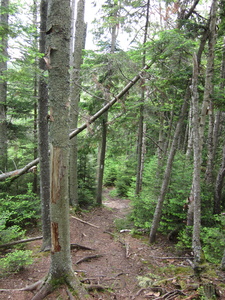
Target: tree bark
{"type": "Point", "coordinates": [35, 93]}
{"type": "Point", "coordinates": [140, 144]}
{"type": "Point", "coordinates": [57, 59]}
{"type": "Point", "coordinates": [75, 98]}
{"type": "Point", "coordinates": [196, 244]}
{"type": "Point", "coordinates": [3, 85]}
{"type": "Point", "coordinates": [209, 89]}
{"type": "Point", "coordinates": [43, 136]}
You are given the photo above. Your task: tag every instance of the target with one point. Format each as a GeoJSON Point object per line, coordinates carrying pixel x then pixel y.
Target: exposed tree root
{"type": "Point", "coordinates": [44, 290]}
{"type": "Point", "coordinates": [88, 258]}
{"type": "Point", "coordinates": [46, 286]}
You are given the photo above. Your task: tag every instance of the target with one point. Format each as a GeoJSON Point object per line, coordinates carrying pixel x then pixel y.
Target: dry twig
{"type": "Point", "coordinates": [82, 221]}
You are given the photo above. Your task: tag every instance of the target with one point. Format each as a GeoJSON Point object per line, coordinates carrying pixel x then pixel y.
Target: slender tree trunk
{"type": "Point", "coordinates": [140, 144]}
{"type": "Point", "coordinates": [219, 185]}
{"type": "Point", "coordinates": [102, 148]}
{"type": "Point", "coordinates": [101, 162]}
{"type": "Point", "coordinates": [205, 36]}
{"type": "Point", "coordinates": [196, 244]}
{"type": "Point", "coordinates": [57, 59]}
{"type": "Point", "coordinates": [35, 178]}
{"type": "Point", "coordinates": [168, 170]}
{"type": "Point", "coordinates": [209, 88]}
{"type": "Point", "coordinates": [43, 135]}
{"type": "Point", "coordinates": [3, 84]}
{"type": "Point", "coordinates": [221, 172]}
{"type": "Point", "coordinates": [80, 35]}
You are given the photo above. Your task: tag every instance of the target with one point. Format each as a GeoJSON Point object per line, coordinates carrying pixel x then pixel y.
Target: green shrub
{"type": "Point", "coordinates": [24, 209]}
{"type": "Point", "coordinates": [7, 234]}
{"type": "Point", "coordinates": [213, 243]}
{"type": "Point", "coordinates": [212, 240]}
{"type": "Point", "coordinates": [15, 261]}
{"type": "Point", "coordinates": [173, 214]}
{"type": "Point", "coordinates": [86, 177]}
{"type": "Point", "coordinates": [185, 239]}
{"type": "Point", "coordinates": [110, 172]}
{"type": "Point", "coordinates": [144, 204]}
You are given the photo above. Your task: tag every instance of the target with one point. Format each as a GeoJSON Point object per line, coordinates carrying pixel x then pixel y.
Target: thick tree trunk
{"type": "Point", "coordinates": [43, 136]}
{"type": "Point", "coordinates": [75, 98]}
{"type": "Point", "coordinates": [168, 170]}
{"type": "Point", "coordinates": [3, 85]}
{"type": "Point", "coordinates": [57, 59]}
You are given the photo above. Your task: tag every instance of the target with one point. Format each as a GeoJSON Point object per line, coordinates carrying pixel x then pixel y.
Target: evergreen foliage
{"type": "Point", "coordinates": [15, 262]}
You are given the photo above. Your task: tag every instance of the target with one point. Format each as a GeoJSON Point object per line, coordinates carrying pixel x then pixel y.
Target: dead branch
{"type": "Point", "coordinates": [87, 258]}
{"type": "Point", "coordinates": [21, 241]}
{"type": "Point", "coordinates": [82, 221]}
{"type": "Point", "coordinates": [172, 257]}
{"type": "Point", "coordinates": [127, 247]}
{"type": "Point", "coordinates": [17, 173]}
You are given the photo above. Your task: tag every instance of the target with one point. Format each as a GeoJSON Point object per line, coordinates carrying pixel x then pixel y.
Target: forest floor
{"type": "Point", "coordinates": [124, 265]}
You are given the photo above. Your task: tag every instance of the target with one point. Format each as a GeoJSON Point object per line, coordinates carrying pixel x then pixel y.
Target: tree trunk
{"type": "Point", "coordinates": [57, 59]}
{"type": "Point", "coordinates": [3, 85]}
{"type": "Point", "coordinates": [35, 81]}
{"type": "Point", "coordinates": [168, 170]}
{"type": "Point", "coordinates": [75, 98]}
{"type": "Point", "coordinates": [101, 162]}
{"type": "Point", "coordinates": [43, 136]}
{"type": "Point", "coordinates": [140, 144]}
{"type": "Point", "coordinates": [219, 185]}
{"type": "Point", "coordinates": [103, 142]}
{"type": "Point", "coordinates": [196, 244]}
{"type": "Point", "coordinates": [221, 172]}
{"type": "Point", "coordinates": [209, 89]}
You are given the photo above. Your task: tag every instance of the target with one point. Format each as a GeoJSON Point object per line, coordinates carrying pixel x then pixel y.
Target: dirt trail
{"type": "Point", "coordinates": [118, 261]}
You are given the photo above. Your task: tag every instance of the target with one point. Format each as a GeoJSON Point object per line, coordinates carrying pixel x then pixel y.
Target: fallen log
{"type": "Point", "coordinates": [72, 245]}
{"type": "Point", "coordinates": [21, 242]}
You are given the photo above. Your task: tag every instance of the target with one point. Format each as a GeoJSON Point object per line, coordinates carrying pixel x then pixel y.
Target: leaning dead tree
{"type": "Point", "coordinates": [13, 175]}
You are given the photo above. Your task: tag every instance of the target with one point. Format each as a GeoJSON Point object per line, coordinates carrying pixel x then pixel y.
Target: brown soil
{"type": "Point", "coordinates": [127, 267]}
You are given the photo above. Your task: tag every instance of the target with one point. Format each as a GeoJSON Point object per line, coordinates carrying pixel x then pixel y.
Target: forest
{"type": "Point", "coordinates": [119, 97]}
